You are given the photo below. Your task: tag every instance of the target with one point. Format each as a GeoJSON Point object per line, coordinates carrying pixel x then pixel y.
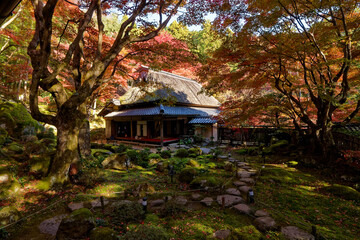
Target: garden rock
{"type": "Point", "coordinates": [247, 180]}
{"type": "Point", "coordinates": [75, 206]}
{"type": "Point", "coordinates": [246, 167]}
{"type": "Point", "coordinates": [244, 189]}
{"type": "Point", "coordinates": [265, 223]}
{"type": "Point", "coordinates": [195, 196]}
{"type": "Point", "coordinates": [229, 200]}
{"type": "Point", "coordinates": [241, 164]}
{"type": "Point", "coordinates": [243, 208]}
{"type": "Point", "coordinates": [50, 226]}
{"type": "Point", "coordinates": [239, 184]}
{"type": "Point", "coordinates": [207, 201]}
{"type": "Point", "coordinates": [8, 215]}
{"type": "Point", "coordinates": [243, 174]}
{"type": "Point", "coordinates": [97, 202]}
{"type": "Point", "coordinates": [205, 150]}
{"type": "Point", "coordinates": [233, 191]}
{"type": "Point", "coordinates": [261, 213]}
{"type": "Point", "coordinates": [180, 200]}
{"type": "Point", "coordinates": [228, 166]}
{"type": "Point", "coordinates": [5, 177]}
{"type": "Point", "coordinates": [222, 234]}
{"type": "Point", "coordinates": [222, 157]}
{"type": "Point", "coordinates": [156, 203]}
{"type": "Point", "coordinates": [295, 233]}
{"type": "Point", "coordinates": [77, 225]}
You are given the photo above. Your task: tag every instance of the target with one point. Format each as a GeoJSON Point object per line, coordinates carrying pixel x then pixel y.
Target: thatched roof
{"type": "Point", "coordinates": [167, 87]}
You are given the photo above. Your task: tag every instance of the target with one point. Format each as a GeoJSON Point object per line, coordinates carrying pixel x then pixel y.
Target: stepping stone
{"type": "Point", "coordinates": [97, 203]}
{"type": "Point", "coordinates": [75, 206]}
{"type": "Point", "coordinates": [246, 167]}
{"type": "Point", "coordinates": [243, 174]}
{"type": "Point", "coordinates": [229, 200]}
{"type": "Point", "coordinates": [180, 200]}
{"type": "Point", "coordinates": [253, 172]}
{"type": "Point", "coordinates": [195, 196]}
{"type": "Point", "coordinates": [241, 164]}
{"type": "Point", "coordinates": [207, 201]}
{"type": "Point", "coordinates": [233, 191]}
{"type": "Point", "coordinates": [261, 213]}
{"type": "Point", "coordinates": [50, 226]}
{"type": "Point", "coordinates": [247, 180]}
{"type": "Point", "coordinates": [156, 203]}
{"type": "Point", "coordinates": [239, 184]}
{"type": "Point", "coordinates": [244, 189]}
{"type": "Point", "coordinates": [222, 234]}
{"type": "Point", "coordinates": [222, 157]}
{"type": "Point", "coordinates": [265, 223]}
{"type": "Point", "coordinates": [295, 233]}
{"type": "Point", "coordinates": [243, 208]}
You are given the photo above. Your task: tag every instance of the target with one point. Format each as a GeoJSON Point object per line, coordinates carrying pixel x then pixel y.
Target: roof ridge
{"type": "Point", "coordinates": [175, 75]}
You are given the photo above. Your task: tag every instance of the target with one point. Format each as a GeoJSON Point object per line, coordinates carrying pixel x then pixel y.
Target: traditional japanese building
{"type": "Point", "coordinates": [159, 108]}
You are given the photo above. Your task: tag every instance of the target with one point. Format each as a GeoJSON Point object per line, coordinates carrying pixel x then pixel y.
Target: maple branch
{"type": "Point", "coordinates": [101, 30]}
{"type": "Point", "coordinates": [8, 22]}
{"type": "Point", "coordinates": [353, 114]}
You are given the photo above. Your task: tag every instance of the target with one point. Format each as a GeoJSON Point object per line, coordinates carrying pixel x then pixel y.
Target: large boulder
{"type": "Point", "coordinates": [116, 160]}
{"type": "Point", "coordinates": [50, 226]}
{"type": "Point", "coordinates": [8, 215]}
{"type": "Point", "coordinates": [265, 223]}
{"type": "Point", "coordinates": [229, 200]}
{"type": "Point", "coordinates": [76, 226]}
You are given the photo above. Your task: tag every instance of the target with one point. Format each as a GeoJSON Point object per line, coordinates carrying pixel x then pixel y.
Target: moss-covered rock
{"type": "Point", "coordinates": [15, 148]}
{"type": "Point", "coordinates": [187, 175]}
{"type": "Point", "coordinates": [8, 215]}
{"type": "Point", "coordinates": [103, 233]}
{"type": "Point", "coordinates": [116, 160]}
{"type": "Point", "coordinates": [193, 163]}
{"type": "Point", "coordinates": [342, 191]}
{"type": "Point", "coordinates": [204, 181]}
{"type": "Point", "coordinates": [18, 120]}
{"type": "Point", "coordinates": [77, 225]}
{"type": "Point", "coordinates": [39, 165]}
{"type": "Point", "coordinates": [182, 153]}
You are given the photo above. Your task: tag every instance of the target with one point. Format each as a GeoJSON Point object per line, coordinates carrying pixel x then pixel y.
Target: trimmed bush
{"type": "Point", "coordinates": [187, 175]}
{"type": "Point", "coordinates": [165, 154]}
{"type": "Point", "coordinates": [195, 151]}
{"type": "Point", "coordinates": [182, 153]}
{"type": "Point", "coordinates": [127, 213]}
{"type": "Point", "coordinates": [154, 156]}
{"type": "Point", "coordinates": [242, 151]}
{"type": "Point", "coordinates": [172, 209]}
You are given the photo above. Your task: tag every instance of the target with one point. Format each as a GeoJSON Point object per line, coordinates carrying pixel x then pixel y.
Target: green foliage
{"type": "Point", "coordinates": [342, 191]}
{"type": "Point", "coordinates": [4, 234]}
{"type": "Point", "coordinates": [242, 151]}
{"type": "Point", "coordinates": [187, 175]}
{"type": "Point", "coordinates": [140, 158]}
{"type": "Point", "coordinates": [253, 151]}
{"type": "Point", "coordinates": [172, 209]}
{"type": "Point", "coordinates": [182, 153]}
{"type": "Point", "coordinates": [47, 133]}
{"type": "Point", "coordinates": [146, 232]}
{"type": "Point", "coordinates": [97, 134]}
{"type": "Point", "coordinates": [216, 152]}
{"type": "Point", "coordinates": [91, 162]}
{"type": "Point", "coordinates": [127, 213]}
{"type": "Point", "coordinates": [165, 154]}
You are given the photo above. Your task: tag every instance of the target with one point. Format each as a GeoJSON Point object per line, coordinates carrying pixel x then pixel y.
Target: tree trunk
{"type": "Point", "coordinates": [323, 143]}
{"type": "Point", "coordinates": [84, 139]}
{"type": "Point", "coordinates": [67, 152]}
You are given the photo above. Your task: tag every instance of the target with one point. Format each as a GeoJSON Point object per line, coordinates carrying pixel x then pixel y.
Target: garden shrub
{"type": "Point", "coordinates": [342, 191]}
{"type": "Point", "coordinates": [216, 152]}
{"type": "Point", "coordinates": [143, 159]}
{"type": "Point", "coordinates": [154, 156]}
{"type": "Point", "coordinates": [146, 232]}
{"type": "Point", "coordinates": [279, 145]}
{"type": "Point", "coordinates": [204, 181]}
{"type": "Point", "coordinates": [187, 175]}
{"type": "Point", "coordinates": [196, 151]}
{"type": "Point", "coordinates": [165, 154]}
{"type": "Point", "coordinates": [182, 153]}
{"type": "Point", "coordinates": [103, 233]}
{"type": "Point", "coordinates": [198, 139]}
{"type": "Point", "coordinates": [253, 151]}
{"type": "Point", "coordinates": [242, 151]}
{"type": "Point", "coordinates": [193, 163]}
{"type": "Point", "coordinates": [97, 134]}
{"type": "Point", "coordinates": [126, 213]}
{"type": "Point", "coordinates": [171, 209]}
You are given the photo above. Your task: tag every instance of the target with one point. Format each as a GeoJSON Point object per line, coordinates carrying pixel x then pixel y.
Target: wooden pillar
{"type": "Point", "coordinates": [131, 129]}
{"type": "Point", "coordinates": [162, 131]}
